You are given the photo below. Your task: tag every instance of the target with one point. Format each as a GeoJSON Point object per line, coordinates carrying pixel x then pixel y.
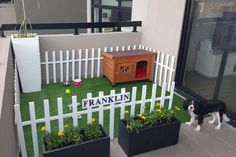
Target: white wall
{"type": "Point", "coordinates": [162, 23]}
{"type": "Point", "coordinates": [7, 14]}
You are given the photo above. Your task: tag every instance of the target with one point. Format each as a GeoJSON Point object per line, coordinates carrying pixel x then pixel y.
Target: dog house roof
{"type": "Point", "coordinates": [128, 53]}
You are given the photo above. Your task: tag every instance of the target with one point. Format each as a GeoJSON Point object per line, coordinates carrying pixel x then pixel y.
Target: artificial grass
{"type": "Point", "coordinates": [91, 85]}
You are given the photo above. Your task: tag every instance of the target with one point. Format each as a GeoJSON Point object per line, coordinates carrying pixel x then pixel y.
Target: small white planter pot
{"type": "Point", "coordinates": [28, 62]}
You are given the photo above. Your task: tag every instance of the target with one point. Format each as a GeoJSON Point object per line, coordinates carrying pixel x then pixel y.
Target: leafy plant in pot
{"type": "Point", "coordinates": [148, 131]}
{"type": "Point", "coordinates": [27, 53]}
{"type": "Point", "coordinates": [89, 141]}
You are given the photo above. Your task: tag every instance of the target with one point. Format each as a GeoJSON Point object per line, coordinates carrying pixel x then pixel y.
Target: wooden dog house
{"type": "Point", "coordinates": [125, 66]}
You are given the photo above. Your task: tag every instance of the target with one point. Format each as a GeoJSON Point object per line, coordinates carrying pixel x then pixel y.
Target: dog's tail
{"type": "Point", "coordinates": [225, 118]}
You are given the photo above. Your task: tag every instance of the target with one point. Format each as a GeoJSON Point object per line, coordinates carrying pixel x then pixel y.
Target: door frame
{"type": "Point", "coordinates": [182, 58]}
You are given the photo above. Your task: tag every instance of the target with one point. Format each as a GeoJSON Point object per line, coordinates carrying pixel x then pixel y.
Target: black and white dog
{"type": "Point", "coordinates": [198, 109]}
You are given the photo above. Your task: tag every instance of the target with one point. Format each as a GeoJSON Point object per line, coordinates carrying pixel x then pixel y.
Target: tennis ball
{"type": "Point", "coordinates": [67, 91]}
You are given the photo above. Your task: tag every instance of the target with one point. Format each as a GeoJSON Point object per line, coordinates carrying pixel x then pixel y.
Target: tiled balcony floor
{"type": "Point", "coordinates": [206, 143]}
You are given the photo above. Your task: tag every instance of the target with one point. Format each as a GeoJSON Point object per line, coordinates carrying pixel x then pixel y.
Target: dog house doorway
{"type": "Point", "coordinates": [141, 69]}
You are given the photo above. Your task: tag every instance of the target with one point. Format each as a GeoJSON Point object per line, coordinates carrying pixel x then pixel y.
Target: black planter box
{"type": "Point", "coordinates": [94, 148]}
{"type": "Point", "coordinates": [148, 138]}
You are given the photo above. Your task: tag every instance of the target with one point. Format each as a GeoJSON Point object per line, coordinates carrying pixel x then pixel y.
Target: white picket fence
{"type": "Point", "coordinates": [89, 112]}
{"type": "Point", "coordinates": [88, 63]}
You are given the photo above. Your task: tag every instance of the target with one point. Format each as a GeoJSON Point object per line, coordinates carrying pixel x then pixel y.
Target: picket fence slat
{"type": "Point", "coordinates": [157, 66]}
{"type": "Point", "coordinates": [112, 117]}
{"type": "Point", "coordinates": [92, 63]}
{"type": "Point", "coordinates": [128, 48]}
{"type": "Point", "coordinates": [99, 62]}
{"type": "Point", "coordinates": [161, 68]}
{"type": "Point", "coordinates": [163, 93]}
{"type": "Point", "coordinates": [86, 64]}
{"type": "Point", "coordinates": [101, 113]}
{"type": "Point", "coordinates": [74, 110]}
{"type": "Point", "coordinates": [166, 65]}
{"type": "Point", "coordinates": [171, 97]}
{"type": "Point", "coordinates": [80, 64]}
{"type": "Point", "coordinates": [144, 90]}
{"type": "Point", "coordinates": [171, 71]}
{"type": "Point", "coordinates": [67, 65]}
{"type": "Point", "coordinates": [122, 106]}
{"type": "Point", "coordinates": [54, 67]}
{"type": "Point", "coordinates": [47, 115]}
{"type": "Point", "coordinates": [60, 114]}
{"type": "Point", "coordinates": [154, 89]}
{"type": "Point", "coordinates": [123, 48]}
{"type": "Point", "coordinates": [34, 129]}
{"type": "Point", "coordinates": [73, 64]}
{"type": "Point", "coordinates": [47, 68]}
{"type": "Point", "coordinates": [89, 110]}
{"type": "Point", "coordinates": [20, 130]}
{"type": "Point", "coordinates": [61, 66]}
{"type": "Point", "coordinates": [133, 100]}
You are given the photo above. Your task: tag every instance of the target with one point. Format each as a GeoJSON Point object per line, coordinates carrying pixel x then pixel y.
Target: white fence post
{"type": "Point", "coordinates": [54, 67]}
{"type": "Point", "coordinates": [61, 66]}
{"type": "Point", "coordinates": [101, 117]}
{"type": "Point", "coordinates": [92, 63]}
{"type": "Point", "coordinates": [144, 90]}
{"type": "Point", "coordinates": [112, 117]}
{"type": "Point", "coordinates": [171, 72]}
{"type": "Point", "coordinates": [74, 110]}
{"type": "Point", "coordinates": [47, 67]}
{"type": "Point", "coordinates": [34, 129]}
{"type": "Point", "coordinates": [20, 130]}
{"type": "Point", "coordinates": [163, 94]}
{"type": "Point", "coordinates": [89, 109]}
{"type": "Point", "coordinates": [171, 95]}
{"type": "Point", "coordinates": [47, 115]}
{"type": "Point", "coordinates": [161, 69]}
{"type": "Point", "coordinates": [133, 99]}
{"type": "Point", "coordinates": [86, 64]}
{"type": "Point", "coordinates": [154, 89]}
{"type": "Point", "coordinates": [67, 65]}
{"type": "Point", "coordinates": [73, 64]}
{"type": "Point", "coordinates": [60, 114]}
{"type": "Point", "coordinates": [122, 105]}
{"type": "Point", "coordinates": [99, 62]}
{"type": "Point", "coordinates": [80, 64]}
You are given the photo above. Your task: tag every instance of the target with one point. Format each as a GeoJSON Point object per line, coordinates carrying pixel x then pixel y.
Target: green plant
{"type": "Point", "coordinates": [71, 136]}
{"type": "Point", "coordinates": [150, 119]}
{"type": "Point", "coordinates": [25, 30]}
{"type": "Point", "coordinates": [92, 131]}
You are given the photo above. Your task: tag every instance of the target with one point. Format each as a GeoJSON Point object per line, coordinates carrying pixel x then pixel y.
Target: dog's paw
{"type": "Point", "coordinates": [218, 127]}
{"type": "Point", "coordinates": [198, 128]}
{"type": "Point", "coordinates": [211, 121]}
{"type": "Point", "coordinates": [189, 123]}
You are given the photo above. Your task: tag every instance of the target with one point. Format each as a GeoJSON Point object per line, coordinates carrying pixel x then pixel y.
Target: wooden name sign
{"type": "Point", "coordinates": [96, 101]}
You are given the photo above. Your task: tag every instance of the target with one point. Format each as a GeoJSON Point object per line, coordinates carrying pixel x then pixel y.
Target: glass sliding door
{"type": "Point", "coordinates": [207, 60]}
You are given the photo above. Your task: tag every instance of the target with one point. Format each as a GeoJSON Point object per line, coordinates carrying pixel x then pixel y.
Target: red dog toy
{"type": "Point", "coordinates": [77, 82]}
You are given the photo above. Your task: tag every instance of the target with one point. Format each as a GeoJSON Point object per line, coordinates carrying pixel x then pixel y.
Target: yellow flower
{"type": "Point", "coordinates": [143, 117]}
{"type": "Point", "coordinates": [158, 110]}
{"type": "Point", "coordinates": [126, 111]}
{"type": "Point", "coordinates": [60, 133]}
{"type": "Point", "coordinates": [43, 128]}
{"type": "Point", "coordinates": [158, 104]}
{"type": "Point", "coordinates": [139, 115]}
{"type": "Point", "coordinates": [66, 126]}
{"type": "Point", "coordinates": [92, 120]}
{"type": "Point", "coordinates": [177, 108]}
